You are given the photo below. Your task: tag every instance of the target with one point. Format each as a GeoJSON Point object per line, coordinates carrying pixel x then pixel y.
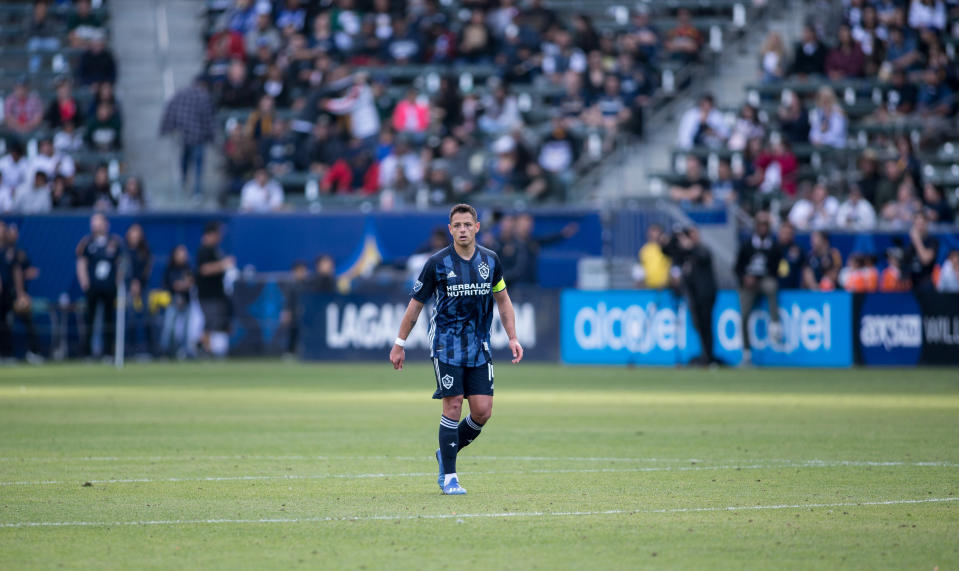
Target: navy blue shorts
{"type": "Point", "coordinates": [452, 380]}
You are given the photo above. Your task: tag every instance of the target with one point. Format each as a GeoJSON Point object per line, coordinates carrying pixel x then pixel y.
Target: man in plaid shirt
{"type": "Point", "coordinates": [23, 109]}
{"type": "Point", "coordinates": [191, 112]}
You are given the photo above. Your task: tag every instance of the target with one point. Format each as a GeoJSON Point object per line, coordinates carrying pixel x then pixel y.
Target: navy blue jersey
{"type": "Point", "coordinates": [462, 292]}
{"type": "Point", "coordinates": [102, 254]}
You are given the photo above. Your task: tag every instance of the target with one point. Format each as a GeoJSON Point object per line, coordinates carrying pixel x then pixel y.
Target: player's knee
{"type": "Point", "coordinates": [482, 415]}
{"type": "Point", "coordinates": [453, 408]}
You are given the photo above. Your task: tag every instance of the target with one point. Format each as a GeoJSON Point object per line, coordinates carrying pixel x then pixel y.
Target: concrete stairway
{"type": "Point", "coordinates": [158, 45]}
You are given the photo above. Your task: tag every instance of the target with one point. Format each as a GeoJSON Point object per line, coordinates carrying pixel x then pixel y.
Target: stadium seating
{"type": "Point", "coordinates": [718, 21]}
{"type": "Point", "coordinates": [43, 69]}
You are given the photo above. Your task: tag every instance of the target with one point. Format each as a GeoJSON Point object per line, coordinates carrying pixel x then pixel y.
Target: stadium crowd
{"type": "Point", "coordinates": [62, 122]}
{"type": "Point", "coordinates": [316, 91]}
{"type": "Point", "coordinates": [846, 129]}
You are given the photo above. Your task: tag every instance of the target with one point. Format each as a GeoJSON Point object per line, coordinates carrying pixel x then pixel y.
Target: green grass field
{"type": "Point", "coordinates": [260, 464]}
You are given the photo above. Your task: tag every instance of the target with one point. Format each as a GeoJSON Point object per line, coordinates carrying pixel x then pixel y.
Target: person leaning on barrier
{"type": "Point", "coordinates": [757, 267]}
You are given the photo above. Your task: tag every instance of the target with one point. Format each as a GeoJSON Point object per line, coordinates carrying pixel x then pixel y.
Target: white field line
{"type": "Point", "coordinates": [335, 457]}
{"type": "Point", "coordinates": [174, 522]}
{"type": "Point", "coordinates": [292, 457]}
{"type": "Point", "coordinates": [240, 478]}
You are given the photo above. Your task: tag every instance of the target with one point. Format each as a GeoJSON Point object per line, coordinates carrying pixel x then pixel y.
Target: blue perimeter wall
{"type": "Point", "coordinates": [272, 242]}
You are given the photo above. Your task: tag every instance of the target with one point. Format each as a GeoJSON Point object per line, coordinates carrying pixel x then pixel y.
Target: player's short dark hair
{"type": "Point", "coordinates": [211, 227]}
{"type": "Point", "coordinates": [463, 208]}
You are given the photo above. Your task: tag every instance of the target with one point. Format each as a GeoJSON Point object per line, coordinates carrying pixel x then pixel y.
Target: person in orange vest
{"type": "Point", "coordinates": [892, 278]}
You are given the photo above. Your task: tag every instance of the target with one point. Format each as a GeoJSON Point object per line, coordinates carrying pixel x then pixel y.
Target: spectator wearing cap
{"type": "Point", "coordinates": [262, 193]}
{"type": "Point", "coordinates": [191, 114]}
{"type": "Point", "coordinates": [855, 213]}
{"type": "Point", "coordinates": [97, 64]}
{"type": "Point", "coordinates": [64, 107]}
{"type": "Point", "coordinates": [810, 54]}
{"type": "Point", "coordinates": [22, 110]}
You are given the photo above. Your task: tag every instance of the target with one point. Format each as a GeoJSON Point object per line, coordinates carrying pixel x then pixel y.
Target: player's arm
{"type": "Point", "coordinates": [508, 317]}
{"type": "Point", "coordinates": [83, 277]}
{"type": "Point", "coordinates": [398, 353]}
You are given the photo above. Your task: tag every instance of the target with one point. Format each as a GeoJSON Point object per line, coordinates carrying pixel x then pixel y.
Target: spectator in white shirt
{"type": "Point", "coordinates": [261, 193]}
{"type": "Point", "coordinates": [702, 125]}
{"type": "Point", "coordinates": [816, 212]}
{"type": "Point", "coordinates": [927, 14]}
{"type": "Point", "coordinates": [51, 162]}
{"type": "Point", "coordinates": [360, 105]}
{"type": "Point", "coordinates": [827, 122]}
{"type": "Point", "coordinates": [401, 158]}
{"type": "Point", "coordinates": [33, 198]}
{"type": "Point", "coordinates": [949, 274]}
{"type": "Point", "coordinates": [855, 213]}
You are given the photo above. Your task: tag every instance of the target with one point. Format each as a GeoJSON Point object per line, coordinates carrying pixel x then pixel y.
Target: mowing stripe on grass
{"type": "Point", "coordinates": [173, 522]}
{"type": "Point", "coordinates": [810, 464]}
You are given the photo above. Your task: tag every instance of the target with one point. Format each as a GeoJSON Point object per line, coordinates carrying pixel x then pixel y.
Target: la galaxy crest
{"type": "Point", "coordinates": [447, 381]}
{"type": "Point", "coordinates": [483, 270]}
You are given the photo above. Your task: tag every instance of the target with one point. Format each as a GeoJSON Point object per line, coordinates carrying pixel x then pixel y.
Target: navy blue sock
{"type": "Point", "coordinates": [449, 443]}
{"type": "Point", "coordinates": [468, 431]}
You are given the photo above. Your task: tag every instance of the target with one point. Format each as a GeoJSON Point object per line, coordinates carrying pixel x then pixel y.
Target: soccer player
{"type": "Point", "coordinates": [463, 279]}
